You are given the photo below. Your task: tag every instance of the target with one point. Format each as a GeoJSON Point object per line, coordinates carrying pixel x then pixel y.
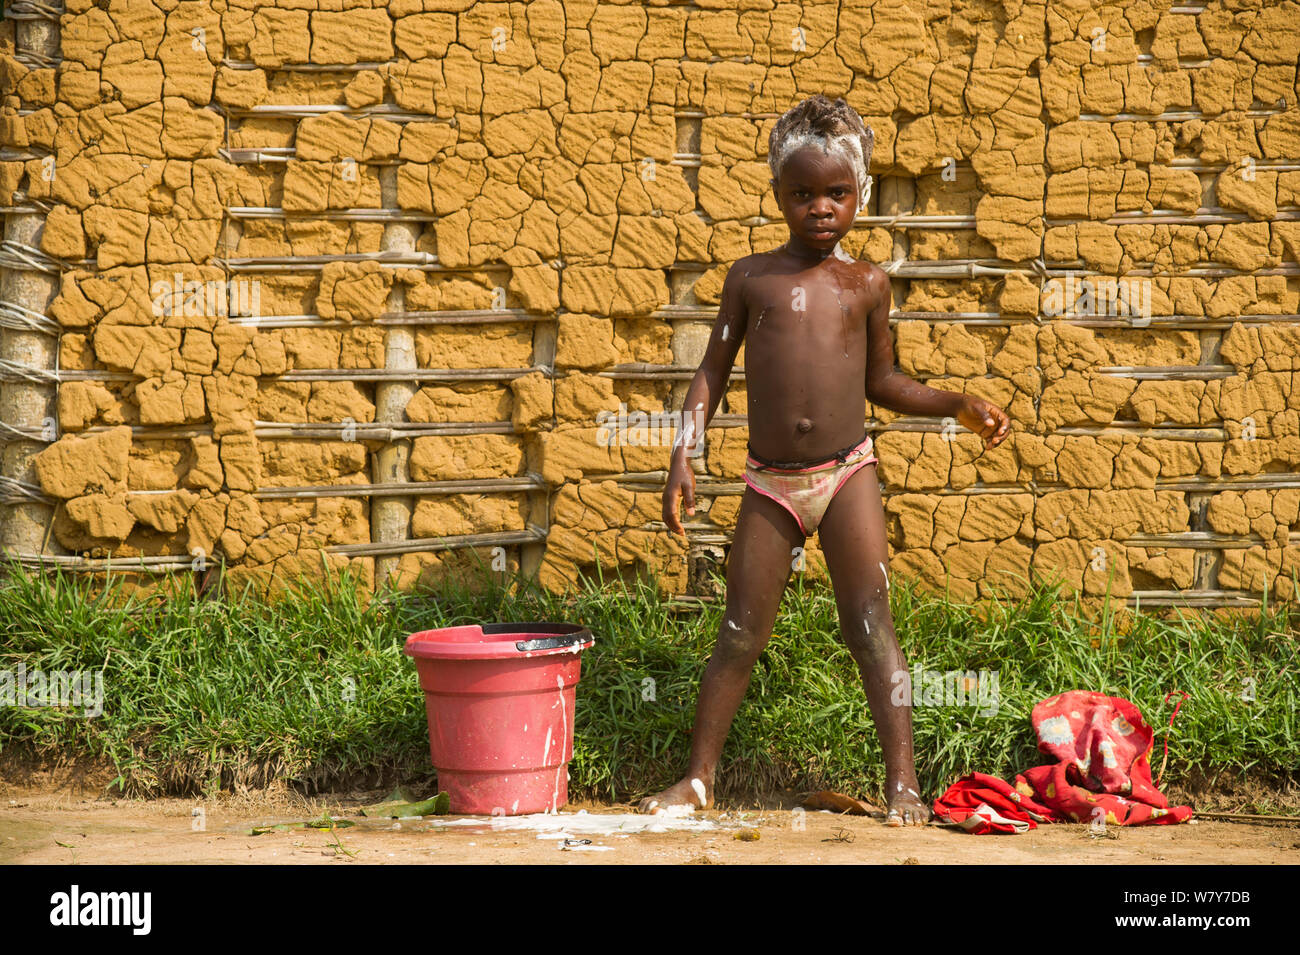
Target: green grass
{"type": "Point", "coordinates": [201, 694]}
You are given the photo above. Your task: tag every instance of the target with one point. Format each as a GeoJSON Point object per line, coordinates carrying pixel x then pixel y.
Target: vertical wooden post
{"type": "Point", "coordinates": [545, 348]}
{"type": "Point", "coordinates": [390, 517]}
{"type": "Point", "coordinates": [26, 404]}
{"type": "Point", "coordinates": [894, 195]}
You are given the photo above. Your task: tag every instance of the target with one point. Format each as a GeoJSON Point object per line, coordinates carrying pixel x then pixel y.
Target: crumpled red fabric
{"type": "Point", "coordinates": [1102, 771]}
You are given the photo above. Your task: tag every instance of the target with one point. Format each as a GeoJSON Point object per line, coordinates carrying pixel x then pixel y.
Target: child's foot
{"type": "Point", "coordinates": [907, 809]}
{"type": "Point", "coordinates": [686, 796]}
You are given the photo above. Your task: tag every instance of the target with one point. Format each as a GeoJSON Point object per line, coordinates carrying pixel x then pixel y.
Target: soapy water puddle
{"type": "Point", "coordinates": [577, 831]}
{"type": "Point", "coordinates": [556, 826]}
{"type": "Point", "coordinates": [574, 831]}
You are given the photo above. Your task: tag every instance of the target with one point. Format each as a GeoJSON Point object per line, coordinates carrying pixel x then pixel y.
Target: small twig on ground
{"type": "Point", "coordinates": [1250, 817]}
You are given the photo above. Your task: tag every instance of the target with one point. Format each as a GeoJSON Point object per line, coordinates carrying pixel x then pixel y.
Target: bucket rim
{"type": "Point", "coordinates": [499, 641]}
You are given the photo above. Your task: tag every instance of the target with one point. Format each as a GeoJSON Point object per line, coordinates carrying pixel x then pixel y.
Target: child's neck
{"type": "Point", "coordinates": [807, 253]}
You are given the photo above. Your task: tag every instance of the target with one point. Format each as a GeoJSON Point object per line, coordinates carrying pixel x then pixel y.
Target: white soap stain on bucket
{"type": "Point", "coordinates": [564, 736]}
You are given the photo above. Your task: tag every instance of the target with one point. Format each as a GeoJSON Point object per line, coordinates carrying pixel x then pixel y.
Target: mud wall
{"type": "Point", "coordinates": [350, 284]}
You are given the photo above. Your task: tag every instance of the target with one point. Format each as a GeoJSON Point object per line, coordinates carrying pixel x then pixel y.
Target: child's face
{"type": "Point", "coordinates": [818, 195]}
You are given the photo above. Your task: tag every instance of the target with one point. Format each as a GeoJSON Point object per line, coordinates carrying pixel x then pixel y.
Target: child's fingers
{"type": "Point", "coordinates": [990, 429]}
{"type": "Point", "coordinates": [671, 499]}
{"type": "Point", "coordinates": [995, 423]}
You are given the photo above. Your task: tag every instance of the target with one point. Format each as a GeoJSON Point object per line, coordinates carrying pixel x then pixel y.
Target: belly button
{"type": "Point", "coordinates": [804, 425]}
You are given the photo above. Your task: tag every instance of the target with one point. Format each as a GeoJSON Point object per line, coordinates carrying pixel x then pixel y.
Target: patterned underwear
{"type": "Point", "coordinates": [806, 488]}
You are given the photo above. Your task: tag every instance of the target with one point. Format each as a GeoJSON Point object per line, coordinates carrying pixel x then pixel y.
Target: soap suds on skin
{"type": "Point", "coordinates": [699, 792]}
{"type": "Point", "coordinates": [685, 435]}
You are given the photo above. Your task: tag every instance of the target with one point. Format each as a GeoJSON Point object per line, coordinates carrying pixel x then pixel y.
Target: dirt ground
{"type": "Point", "coordinates": [67, 826]}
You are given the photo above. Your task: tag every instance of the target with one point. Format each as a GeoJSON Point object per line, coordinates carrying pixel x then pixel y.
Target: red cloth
{"type": "Point", "coordinates": [1102, 750]}
{"type": "Point", "coordinates": [983, 804]}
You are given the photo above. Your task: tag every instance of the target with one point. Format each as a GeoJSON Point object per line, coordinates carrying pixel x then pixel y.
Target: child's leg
{"type": "Point", "coordinates": [852, 535]}
{"type": "Point", "coordinates": [758, 568]}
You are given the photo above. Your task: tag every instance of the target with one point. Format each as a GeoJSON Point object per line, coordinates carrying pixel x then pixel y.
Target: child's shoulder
{"type": "Point", "coordinates": [746, 269]}
{"type": "Point", "coordinates": [760, 263]}
{"type": "Point", "coordinates": [873, 278]}
{"type": "Point", "coordinates": [866, 268]}
{"type": "Point", "coordinates": [756, 263]}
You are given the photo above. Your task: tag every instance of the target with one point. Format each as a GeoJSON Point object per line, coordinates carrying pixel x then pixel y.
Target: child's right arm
{"type": "Point", "coordinates": [705, 392]}
{"type": "Point", "coordinates": [890, 388]}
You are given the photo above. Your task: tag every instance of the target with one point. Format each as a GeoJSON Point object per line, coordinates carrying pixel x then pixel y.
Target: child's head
{"type": "Point", "coordinates": [834, 127]}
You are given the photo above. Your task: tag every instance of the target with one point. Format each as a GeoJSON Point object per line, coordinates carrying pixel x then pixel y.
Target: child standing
{"type": "Point", "coordinates": [819, 346]}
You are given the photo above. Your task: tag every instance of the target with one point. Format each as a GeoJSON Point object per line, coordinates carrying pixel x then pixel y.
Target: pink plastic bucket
{"type": "Point", "coordinates": [499, 700]}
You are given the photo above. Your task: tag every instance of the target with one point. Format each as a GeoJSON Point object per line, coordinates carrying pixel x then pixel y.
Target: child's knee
{"type": "Point", "coordinates": [738, 643]}
{"type": "Point", "coordinates": [869, 633]}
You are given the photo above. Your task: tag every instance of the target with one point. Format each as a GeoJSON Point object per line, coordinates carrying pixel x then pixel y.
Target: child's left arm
{"type": "Point", "coordinates": [890, 388]}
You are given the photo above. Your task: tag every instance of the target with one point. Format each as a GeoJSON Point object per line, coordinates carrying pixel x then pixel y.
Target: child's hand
{"type": "Point", "coordinates": [681, 485]}
{"type": "Point", "coordinates": [984, 418]}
